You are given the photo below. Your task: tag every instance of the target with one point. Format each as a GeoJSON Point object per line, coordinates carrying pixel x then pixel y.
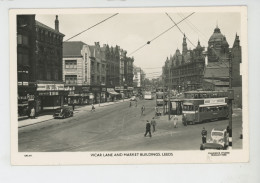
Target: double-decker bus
{"type": "Point", "coordinates": [148, 95]}
{"type": "Point", "coordinates": [199, 106]}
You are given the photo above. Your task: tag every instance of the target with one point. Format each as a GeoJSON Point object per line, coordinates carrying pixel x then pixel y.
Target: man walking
{"type": "Point", "coordinates": [130, 104]}
{"type": "Point", "coordinates": [184, 120]}
{"type": "Point", "coordinates": [204, 135]}
{"type": "Point", "coordinates": [142, 110]}
{"type": "Point", "coordinates": [153, 123]}
{"type": "Point", "coordinates": [175, 121]}
{"type": "Point", "coordinates": [92, 107]}
{"type": "Point", "coordinates": [148, 129]}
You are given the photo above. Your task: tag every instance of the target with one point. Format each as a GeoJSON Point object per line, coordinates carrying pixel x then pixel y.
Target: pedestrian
{"type": "Point", "coordinates": [92, 107]}
{"type": "Point", "coordinates": [175, 121]}
{"type": "Point", "coordinates": [153, 123]}
{"type": "Point", "coordinates": [148, 129]}
{"type": "Point", "coordinates": [32, 115]}
{"type": "Point", "coordinates": [142, 109]}
{"type": "Point", "coordinates": [130, 104]}
{"type": "Point", "coordinates": [73, 106]}
{"type": "Point", "coordinates": [204, 135]}
{"type": "Point", "coordinates": [184, 120]}
{"type": "Point", "coordinates": [156, 110]}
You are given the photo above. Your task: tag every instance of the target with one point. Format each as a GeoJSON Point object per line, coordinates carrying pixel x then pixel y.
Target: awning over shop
{"type": "Point", "coordinates": [113, 92]}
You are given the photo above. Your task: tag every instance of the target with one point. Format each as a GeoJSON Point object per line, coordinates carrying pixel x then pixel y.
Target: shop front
{"type": "Point", "coordinates": [103, 94]}
{"type": "Point", "coordinates": [112, 95]}
{"type": "Point", "coordinates": [51, 95]}
{"type": "Point", "coordinates": [27, 98]}
{"type": "Point", "coordinates": [120, 89]}
{"type": "Point", "coordinates": [96, 92]}
{"type": "Point", "coordinates": [130, 91]}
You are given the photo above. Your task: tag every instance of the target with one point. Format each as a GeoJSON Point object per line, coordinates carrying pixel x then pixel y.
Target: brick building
{"type": "Point", "coordinates": [39, 61]}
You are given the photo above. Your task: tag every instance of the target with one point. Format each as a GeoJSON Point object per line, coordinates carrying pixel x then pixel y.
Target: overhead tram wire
{"type": "Point", "coordinates": [149, 42]}
{"type": "Point", "coordinates": [91, 27]}
{"type": "Point", "coordinates": [179, 28]}
{"type": "Point", "coordinates": [193, 27]}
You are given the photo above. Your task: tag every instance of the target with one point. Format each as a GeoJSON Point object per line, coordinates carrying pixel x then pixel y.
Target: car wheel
{"type": "Point", "coordinates": [201, 147]}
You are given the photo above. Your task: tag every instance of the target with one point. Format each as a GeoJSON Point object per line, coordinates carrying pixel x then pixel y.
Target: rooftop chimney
{"type": "Point", "coordinates": [57, 23]}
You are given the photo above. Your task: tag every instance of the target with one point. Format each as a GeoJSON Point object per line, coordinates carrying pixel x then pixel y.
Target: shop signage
{"type": "Point", "coordinates": [48, 93]}
{"type": "Point", "coordinates": [95, 89]}
{"type": "Point", "coordinates": [130, 88]}
{"type": "Point", "coordinates": [214, 101]}
{"type": "Point", "coordinates": [86, 88]}
{"type": "Point", "coordinates": [117, 88]}
{"type": "Point", "coordinates": [69, 88]}
{"type": "Point", "coordinates": [50, 87]}
{"type": "Point", "coordinates": [30, 97]}
{"type": "Point", "coordinates": [110, 90]}
{"type": "Point", "coordinates": [23, 83]}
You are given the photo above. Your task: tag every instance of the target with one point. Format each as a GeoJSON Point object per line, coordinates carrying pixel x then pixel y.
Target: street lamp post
{"type": "Point", "coordinates": [230, 98]}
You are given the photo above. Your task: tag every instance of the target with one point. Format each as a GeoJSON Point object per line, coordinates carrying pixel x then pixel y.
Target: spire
{"type": "Point", "coordinates": [184, 45]}
{"type": "Point", "coordinates": [57, 23]}
{"type": "Point", "coordinates": [217, 24]}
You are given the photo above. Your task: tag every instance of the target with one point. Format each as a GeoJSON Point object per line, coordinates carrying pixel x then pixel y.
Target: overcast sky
{"type": "Point", "coordinates": [130, 31]}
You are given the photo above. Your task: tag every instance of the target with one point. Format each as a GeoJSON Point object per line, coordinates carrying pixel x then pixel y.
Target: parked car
{"type": "Point", "coordinates": [218, 140]}
{"type": "Point", "coordinates": [63, 112]}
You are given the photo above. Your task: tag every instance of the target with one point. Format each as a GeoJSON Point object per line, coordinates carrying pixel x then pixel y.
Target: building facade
{"type": "Point", "coordinates": [48, 66]}
{"type": "Point", "coordinates": [184, 71]}
{"type": "Point", "coordinates": [39, 61]}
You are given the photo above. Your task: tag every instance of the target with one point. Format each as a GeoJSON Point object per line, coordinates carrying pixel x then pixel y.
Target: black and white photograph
{"type": "Point", "coordinates": [115, 86]}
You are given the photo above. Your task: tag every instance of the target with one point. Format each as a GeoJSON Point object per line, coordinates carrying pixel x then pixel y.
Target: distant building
{"type": "Point", "coordinates": [184, 71]}
{"type": "Point", "coordinates": [206, 70]}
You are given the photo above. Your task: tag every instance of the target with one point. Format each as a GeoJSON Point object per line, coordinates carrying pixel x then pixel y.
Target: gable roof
{"type": "Point", "coordinates": [72, 48]}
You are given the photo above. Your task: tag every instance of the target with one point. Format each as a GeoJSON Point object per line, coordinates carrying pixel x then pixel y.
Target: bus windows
{"type": "Point", "coordinates": [188, 108]}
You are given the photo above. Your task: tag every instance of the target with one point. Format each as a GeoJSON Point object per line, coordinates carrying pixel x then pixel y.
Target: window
{"type": "Point", "coordinates": [48, 75]}
{"type": "Point", "coordinates": [70, 64]}
{"type": "Point", "coordinates": [23, 59]}
{"type": "Point", "coordinates": [22, 39]}
{"type": "Point", "coordinates": [56, 75]}
{"type": "Point", "coordinates": [71, 79]}
{"type": "Point", "coordinates": [19, 39]}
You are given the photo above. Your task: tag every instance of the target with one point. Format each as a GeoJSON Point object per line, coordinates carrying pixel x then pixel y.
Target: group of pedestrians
{"type": "Point", "coordinates": [148, 127]}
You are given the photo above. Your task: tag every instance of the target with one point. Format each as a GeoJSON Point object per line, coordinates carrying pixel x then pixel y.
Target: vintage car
{"type": "Point", "coordinates": [63, 112]}
{"type": "Point", "coordinates": [218, 140]}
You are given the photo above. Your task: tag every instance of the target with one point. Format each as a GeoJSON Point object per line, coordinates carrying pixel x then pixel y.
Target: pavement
{"type": "Point", "coordinates": [24, 121]}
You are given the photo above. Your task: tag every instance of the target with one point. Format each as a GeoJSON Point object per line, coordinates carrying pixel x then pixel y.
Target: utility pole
{"type": "Point", "coordinates": [163, 94]}
{"type": "Point", "coordinates": [230, 98]}
{"type": "Point", "coordinates": [169, 94]}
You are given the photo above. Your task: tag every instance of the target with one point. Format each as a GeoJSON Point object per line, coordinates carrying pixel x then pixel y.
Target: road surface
{"type": "Point", "coordinates": [117, 127]}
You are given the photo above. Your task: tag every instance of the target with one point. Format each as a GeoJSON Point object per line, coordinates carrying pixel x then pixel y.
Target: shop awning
{"type": "Point", "coordinates": [113, 92]}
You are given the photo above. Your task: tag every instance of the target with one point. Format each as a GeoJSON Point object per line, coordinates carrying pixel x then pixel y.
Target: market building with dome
{"type": "Point", "coordinates": [205, 68]}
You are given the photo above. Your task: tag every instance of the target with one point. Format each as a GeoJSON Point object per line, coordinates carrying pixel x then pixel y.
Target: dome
{"type": "Point", "coordinates": [216, 36]}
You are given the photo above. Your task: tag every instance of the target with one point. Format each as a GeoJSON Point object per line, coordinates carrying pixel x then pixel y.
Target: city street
{"type": "Point", "coordinates": [117, 127]}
